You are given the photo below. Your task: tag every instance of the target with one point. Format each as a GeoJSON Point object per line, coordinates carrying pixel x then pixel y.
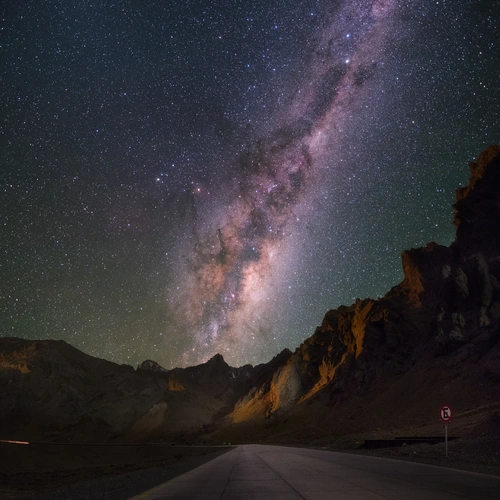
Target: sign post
{"type": "Point", "coordinates": [445, 413]}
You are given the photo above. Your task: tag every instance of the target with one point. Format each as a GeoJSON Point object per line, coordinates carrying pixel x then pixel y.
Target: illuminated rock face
{"type": "Point", "coordinates": [448, 305]}
{"type": "Point", "coordinates": [437, 330]}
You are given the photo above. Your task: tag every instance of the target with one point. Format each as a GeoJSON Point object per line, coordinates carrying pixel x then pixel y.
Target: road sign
{"type": "Point", "coordinates": [445, 413]}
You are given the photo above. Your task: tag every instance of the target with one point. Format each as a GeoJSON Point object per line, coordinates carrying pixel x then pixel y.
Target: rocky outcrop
{"type": "Point", "coordinates": [477, 208]}
{"type": "Point", "coordinates": [472, 308]}
{"type": "Point", "coordinates": [423, 270]}
{"type": "Point", "coordinates": [447, 305]}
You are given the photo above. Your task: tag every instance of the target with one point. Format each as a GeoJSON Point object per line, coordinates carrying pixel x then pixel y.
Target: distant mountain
{"type": "Point", "coordinates": [377, 365]}
{"type": "Point", "coordinates": [50, 390]}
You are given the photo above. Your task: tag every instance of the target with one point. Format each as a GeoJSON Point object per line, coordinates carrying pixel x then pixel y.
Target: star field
{"type": "Point", "coordinates": [185, 178]}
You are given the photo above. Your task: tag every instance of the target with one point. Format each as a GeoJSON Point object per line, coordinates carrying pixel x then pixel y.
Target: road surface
{"type": "Point", "coordinates": [280, 473]}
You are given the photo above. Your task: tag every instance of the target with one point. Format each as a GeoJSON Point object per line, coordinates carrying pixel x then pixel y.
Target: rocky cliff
{"type": "Point", "coordinates": [434, 338]}
{"type": "Point", "coordinates": [436, 333]}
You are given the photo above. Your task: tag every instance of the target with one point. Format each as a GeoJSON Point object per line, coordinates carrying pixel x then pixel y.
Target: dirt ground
{"type": "Point", "coordinates": [480, 455]}
{"type": "Point", "coordinates": [40, 470]}
{"type": "Point", "coordinates": [477, 450]}
{"type": "Point", "coordinates": [61, 471]}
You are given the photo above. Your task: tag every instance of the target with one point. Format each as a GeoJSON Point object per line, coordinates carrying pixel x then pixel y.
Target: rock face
{"type": "Point", "coordinates": [433, 338]}
{"type": "Point", "coordinates": [441, 324]}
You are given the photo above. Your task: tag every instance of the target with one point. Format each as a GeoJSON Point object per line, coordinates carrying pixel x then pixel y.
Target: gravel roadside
{"type": "Point", "coordinates": [480, 455]}
{"type": "Point", "coordinates": [120, 486]}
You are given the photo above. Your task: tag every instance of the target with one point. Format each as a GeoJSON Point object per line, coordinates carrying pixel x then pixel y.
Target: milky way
{"type": "Point", "coordinates": [192, 179]}
{"type": "Point", "coordinates": [225, 296]}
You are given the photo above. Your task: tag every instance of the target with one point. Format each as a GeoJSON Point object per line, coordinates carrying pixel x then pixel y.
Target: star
{"type": "Point", "coordinates": [190, 179]}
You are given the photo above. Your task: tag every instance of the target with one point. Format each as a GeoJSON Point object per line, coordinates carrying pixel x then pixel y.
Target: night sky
{"type": "Point", "coordinates": [181, 178]}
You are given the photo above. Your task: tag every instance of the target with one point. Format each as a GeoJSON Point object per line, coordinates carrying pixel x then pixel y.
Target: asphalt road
{"type": "Point", "coordinates": [281, 473]}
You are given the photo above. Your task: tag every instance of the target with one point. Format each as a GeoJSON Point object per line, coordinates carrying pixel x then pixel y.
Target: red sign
{"type": "Point", "coordinates": [445, 413]}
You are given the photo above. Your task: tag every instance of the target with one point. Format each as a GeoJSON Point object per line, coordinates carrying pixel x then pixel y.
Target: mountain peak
{"type": "Point", "coordinates": [218, 359]}
{"type": "Point", "coordinates": [150, 366]}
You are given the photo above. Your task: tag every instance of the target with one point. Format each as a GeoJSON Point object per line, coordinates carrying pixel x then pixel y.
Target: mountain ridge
{"type": "Point", "coordinates": [432, 338]}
